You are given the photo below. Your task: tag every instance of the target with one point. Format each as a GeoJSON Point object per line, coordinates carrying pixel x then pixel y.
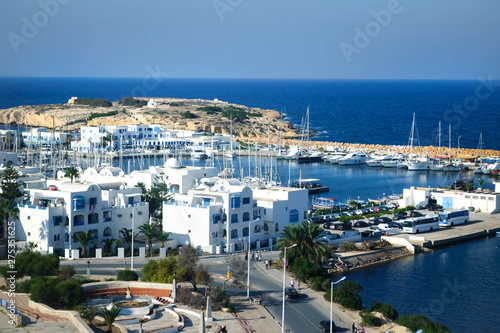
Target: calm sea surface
{"type": "Point", "coordinates": [456, 285]}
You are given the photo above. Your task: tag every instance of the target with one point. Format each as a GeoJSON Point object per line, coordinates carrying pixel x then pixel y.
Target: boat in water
{"type": "Point", "coordinates": [353, 159]}
{"type": "Point", "coordinates": [312, 184]}
{"type": "Point", "coordinates": [325, 203]}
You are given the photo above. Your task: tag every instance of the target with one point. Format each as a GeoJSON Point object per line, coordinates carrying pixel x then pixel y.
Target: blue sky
{"type": "Point", "coordinates": [350, 39]}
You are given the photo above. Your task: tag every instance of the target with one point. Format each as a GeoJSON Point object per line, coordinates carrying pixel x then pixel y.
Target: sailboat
{"type": "Point", "coordinates": [479, 168]}
{"type": "Point", "coordinates": [416, 163]}
{"type": "Point", "coordinates": [308, 157]}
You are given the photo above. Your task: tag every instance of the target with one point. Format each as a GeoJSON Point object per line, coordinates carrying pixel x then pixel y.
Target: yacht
{"type": "Point", "coordinates": [376, 160]}
{"type": "Point", "coordinates": [393, 162]}
{"type": "Point", "coordinates": [353, 159]}
{"type": "Point", "coordinates": [334, 158]}
{"type": "Point", "coordinates": [293, 153]}
{"type": "Point", "coordinates": [197, 153]}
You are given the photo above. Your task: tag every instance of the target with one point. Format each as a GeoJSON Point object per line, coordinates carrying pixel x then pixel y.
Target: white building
{"type": "Point", "coordinates": [484, 201]}
{"type": "Point", "coordinates": [216, 215]}
{"type": "Point", "coordinates": [152, 103]}
{"type": "Point", "coordinates": [54, 213]}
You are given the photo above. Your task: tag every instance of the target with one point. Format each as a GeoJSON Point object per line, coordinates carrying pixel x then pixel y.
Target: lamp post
{"type": "Point", "coordinates": [249, 244]}
{"type": "Point", "coordinates": [174, 286]}
{"type": "Point", "coordinates": [459, 144]}
{"type": "Point", "coordinates": [132, 249]}
{"type": "Point", "coordinates": [88, 270]}
{"type": "Point", "coordinates": [284, 280]}
{"type": "Point", "coordinates": [331, 302]}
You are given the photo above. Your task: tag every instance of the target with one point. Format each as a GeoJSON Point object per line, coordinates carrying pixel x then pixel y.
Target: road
{"type": "Point", "coordinates": [301, 315]}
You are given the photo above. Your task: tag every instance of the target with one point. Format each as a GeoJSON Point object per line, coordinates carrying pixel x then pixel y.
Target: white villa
{"type": "Point", "coordinates": [53, 213]}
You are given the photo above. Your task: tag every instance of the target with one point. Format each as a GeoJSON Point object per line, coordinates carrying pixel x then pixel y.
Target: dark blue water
{"type": "Point", "coordinates": [341, 110]}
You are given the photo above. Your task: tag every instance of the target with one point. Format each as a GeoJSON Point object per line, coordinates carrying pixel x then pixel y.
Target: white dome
{"type": "Point", "coordinates": [172, 163]}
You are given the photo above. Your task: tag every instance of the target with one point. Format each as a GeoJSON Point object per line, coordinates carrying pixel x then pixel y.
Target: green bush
{"type": "Point", "coordinates": [66, 272]}
{"type": "Point", "coordinates": [369, 319]}
{"type": "Point", "coordinates": [127, 275]}
{"type": "Point", "coordinates": [386, 309]}
{"type": "Point", "coordinates": [188, 114]}
{"type": "Point", "coordinates": [44, 290]}
{"type": "Point", "coordinates": [210, 109]}
{"type": "Point", "coordinates": [94, 102]}
{"type": "Point", "coordinates": [230, 306]}
{"type": "Point", "coordinates": [130, 101]}
{"type": "Point", "coordinates": [348, 246]}
{"type": "Point", "coordinates": [70, 293]}
{"type": "Point", "coordinates": [416, 322]}
{"type": "Point", "coordinates": [99, 115]}
{"type": "Point", "coordinates": [347, 295]}
{"type": "Point", "coordinates": [34, 264]}
{"type": "Point", "coordinates": [254, 114]}
{"type": "Point", "coordinates": [328, 293]}
{"type": "Point", "coordinates": [304, 269]}
{"type": "Point", "coordinates": [176, 103]}
{"type": "Point", "coordinates": [235, 114]}
{"type": "Point", "coordinates": [318, 283]}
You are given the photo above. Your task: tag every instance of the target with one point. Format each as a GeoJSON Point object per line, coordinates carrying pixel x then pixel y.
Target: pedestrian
{"type": "Point", "coordinates": [353, 327]}
{"type": "Point", "coordinates": [270, 263]}
{"type": "Point", "coordinates": [267, 264]}
{"type": "Point", "coordinates": [291, 283]}
{"type": "Point", "coordinates": [260, 256]}
{"type": "Point", "coordinates": [246, 255]}
{"type": "Point", "coordinates": [298, 284]}
{"type": "Point", "coordinates": [253, 255]}
{"type": "Point", "coordinates": [362, 329]}
{"type": "Point", "coordinates": [260, 297]}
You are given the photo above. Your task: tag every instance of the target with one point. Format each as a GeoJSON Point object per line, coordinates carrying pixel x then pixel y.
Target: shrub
{"type": "Point", "coordinates": [348, 246]}
{"type": "Point", "coordinates": [176, 103]}
{"type": "Point", "coordinates": [386, 309]}
{"type": "Point", "coordinates": [43, 290]}
{"type": "Point", "coordinates": [88, 313]}
{"type": "Point", "coordinates": [94, 102]}
{"type": "Point", "coordinates": [254, 114]}
{"type": "Point", "coordinates": [383, 243]}
{"type": "Point", "coordinates": [130, 101]}
{"type": "Point", "coordinates": [188, 114]}
{"type": "Point", "coordinates": [83, 279]}
{"type": "Point", "coordinates": [99, 115]}
{"type": "Point", "coordinates": [416, 322]}
{"type": "Point", "coordinates": [230, 306]}
{"type": "Point", "coordinates": [34, 264]}
{"type": "Point", "coordinates": [70, 293]}
{"type": "Point", "coordinates": [210, 109]}
{"type": "Point", "coordinates": [328, 293]}
{"type": "Point", "coordinates": [368, 245]}
{"type": "Point", "coordinates": [347, 295]}
{"type": "Point", "coordinates": [127, 275]}
{"type": "Point", "coordinates": [318, 283]}
{"type": "Point", "coordinates": [66, 273]}
{"type": "Point", "coordinates": [369, 319]}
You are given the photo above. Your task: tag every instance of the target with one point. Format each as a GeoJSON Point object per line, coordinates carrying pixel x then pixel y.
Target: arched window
{"type": "Point", "coordinates": [245, 232]}
{"type": "Point", "coordinates": [66, 237]}
{"type": "Point", "coordinates": [266, 227]}
{"type": "Point", "coordinates": [234, 218]}
{"type": "Point", "coordinates": [93, 218]}
{"type": "Point", "coordinates": [55, 238]}
{"type": "Point", "coordinates": [107, 232]}
{"type": "Point", "coordinates": [234, 233]}
{"type": "Point", "coordinates": [256, 229]}
{"type": "Point", "coordinates": [246, 217]}
{"type": "Point", "coordinates": [294, 216]}
{"type": "Point", "coordinates": [277, 227]}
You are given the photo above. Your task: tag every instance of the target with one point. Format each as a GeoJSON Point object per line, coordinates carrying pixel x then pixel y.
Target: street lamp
{"type": "Point", "coordinates": [284, 279]}
{"type": "Point", "coordinates": [132, 250]}
{"type": "Point", "coordinates": [459, 144]}
{"type": "Point", "coordinates": [331, 302]}
{"type": "Point", "coordinates": [249, 235]}
{"type": "Point", "coordinates": [88, 270]}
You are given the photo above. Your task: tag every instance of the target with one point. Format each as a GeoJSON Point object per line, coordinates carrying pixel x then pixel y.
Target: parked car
{"type": "Point", "coordinates": [291, 292]}
{"type": "Point", "coordinates": [361, 224]}
{"type": "Point", "coordinates": [392, 205]}
{"type": "Point", "coordinates": [371, 233]}
{"type": "Point", "coordinates": [328, 225]}
{"type": "Point", "coordinates": [399, 216]}
{"type": "Point", "coordinates": [393, 224]}
{"type": "Point", "coordinates": [324, 326]}
{"type": "Point", "coordinates": [342, 226]}
{"type": "Point", "coordinates": [434, 206]}
{"type": "Point", "coordinates": [358, 212]}
{"type": "Point", "coordinates": [415, 214]}
{"type": "Point", "coordinates": [384, 219]}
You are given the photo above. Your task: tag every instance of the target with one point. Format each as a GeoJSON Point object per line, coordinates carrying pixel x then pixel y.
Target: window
{"type": "Point", "coordinates": [93, 218]}
{"type": "Point", "coordinates": [93, 201]}
{"type": "Point", "coordinates": [245, 232]}
{"type": "Point", "coordinates": [130, 200]}
{"type": "Point", "coordinates": [107, 232]}
{"type": "Point", "coordinates": [255, 214]}
{"type": "Point", "coordinates": [294, 216]}
{"type": "Point", "coordinates": [57, 220]}
{"type": "Point", "coordinates": [235, 202]}
{"type": "Point", "coordinates": [216, 218]}
{"type": "Point", "coordinates": [234, 218]}
{"type": "Point", "coordinates": [66, 220]}
{"type": "Point", "coordinates": [246, 217]}
{"type": "Point", "coordinates": [234, 233]}
{"type": "Point", "coordinates": [266, 227]}
{"type": "Point", "coordinates": [256, 229]}
{"type": "Point", "coordinates": [277, 228]}
{"type": "Point", "coordinates": [96, 235]}
{"type": "Point", "coordinates": [206, 201]}
{"type": "Point", "coordinates": [78, 220]}
{"type": "Point", "coordinates": [66, 237]}
{"type": "Point", "coordinates": [246, 201]}
{"type": "Point", "coordinates": [78, 202]}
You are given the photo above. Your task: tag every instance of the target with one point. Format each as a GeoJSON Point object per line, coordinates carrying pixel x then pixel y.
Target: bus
{"type": "Point", "coordinates": [421, 224]}
{"type": "Point", "coordinates": [448, 218]}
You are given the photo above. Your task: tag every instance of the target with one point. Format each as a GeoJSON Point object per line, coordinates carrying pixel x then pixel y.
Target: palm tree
{"type": "Point", "coordinates": [88, 313]}
{"type": "Point", "coordinates": [8, 209]}
{"type": "Point", "coordinates": [151, 232]}
{"type": "Point", "coordinates": [72, 172]}
{"type": "Point", "coordinates": [108, 242]}
{"type": "Point", "coordinates": [353, 204]}
{"type": "Point", "coordinates": [69, 138]}
{"type": "Point", "coordinates": [126, 236]}
{"type": "Point", "coordinates": [481, 183]}
{"type": "Point", "coordinates": [304, 235]}
{"type": "Point", "coordinates": [31, 246]}
{"type": "Point", "coordinates": [110, 315]}
{"type": "Point", "coordinates": [469, 186]}
{"type": "Point", "coordinates": [163, 237]}
{"type": "Point", "coordinates": [85, 239]}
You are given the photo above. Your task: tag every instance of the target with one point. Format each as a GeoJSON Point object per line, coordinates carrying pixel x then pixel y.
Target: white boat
{"type": "Point", "coordinates": [293, 153]}
{"type": "Point", "coordinates": [353, 159]}
{"type": "Point", "coordinates": [334, 158]}
{"type": "Point", "coordinates": [419, 164]}
{"type": "Point", "coordinates": [393, 162]}
{"type": "Point", "coordinates": [197, 153]}
{"type": "Point", "coordinates": [376, 160]}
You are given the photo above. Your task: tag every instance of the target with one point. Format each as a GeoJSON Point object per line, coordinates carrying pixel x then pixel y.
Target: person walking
{"type": "Point", "coordinates": [353, 327]}
{"type": "Point", "coordinates": [267, 265]}
{"type": "Point", "coordinates": [253, 255]}
{"type": "Point", "coordinates": [291, 283]}
{"type": "Point", "coordinates": [298, 284]}
{"type": "Point", "coordinates": [362, 329]}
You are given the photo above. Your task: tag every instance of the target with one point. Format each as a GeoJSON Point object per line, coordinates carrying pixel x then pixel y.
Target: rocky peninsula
{"type": "Point", "coordinates": [254, 124]}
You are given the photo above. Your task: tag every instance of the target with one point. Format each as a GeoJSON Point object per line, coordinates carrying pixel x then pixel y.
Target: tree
{"type": "Point", "coordinates": [69, 138]}
{"type": "Point", "coordinates": [108, 243]}
{"type": "Point", "coordinates": [203, 277]}
{"type": "Point", "coordinates": [126, 236]}
{"type": "Point", "coordinates": [353, 204]}
{"type": "Point", "coordinates": [85, 239]}
{"type": "Point", "coordinates": [110, 315]}
{"type": "Point", "coordinates": [163, 237]}
{"type": "Point", "coordinates": [106, 140]}
{"type": "Point", "coordinates": [187, 264]}
{"type": "Point", "coordinates": [160, 271]}
{"type": "Point", "coordinates": [347, 295]}
{"type": "Point", "coordinates": [150, 232]}
{"type": "Point", "coordinates": [469, 186]}
{"type": "Point", "coordinates": [9, 184]}
{"type": "Point", "coordinates": [72, 172]}
{"type": "Point", "coordinates": [157, 194]}
{"type": "Point", "coordinates": [8, 209]}
{"type": "Point", "coordinates": [481, 183]}
{"type": "Point", "coordinates": [32, 246]}
{"type": "Point", "coordinates": [304, 235]}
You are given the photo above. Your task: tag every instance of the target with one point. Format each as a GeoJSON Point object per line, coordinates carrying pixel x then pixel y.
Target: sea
{"type": "Point", "coordinates": [455, 285]}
